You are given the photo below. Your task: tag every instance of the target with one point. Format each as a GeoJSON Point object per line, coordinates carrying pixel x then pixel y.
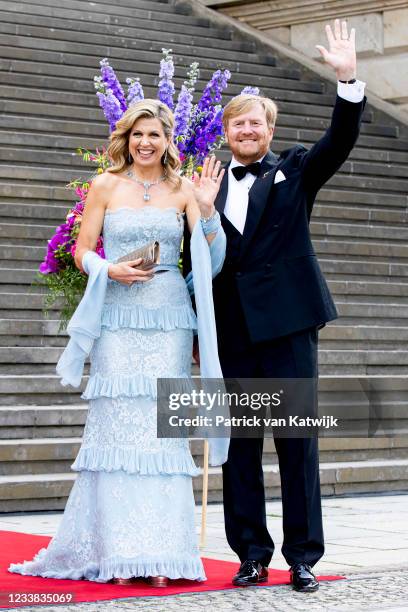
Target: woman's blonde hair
{"type": "Point", "coordinates": [118, 149]}
{"type": "Point", "coordinates": [244, 102]}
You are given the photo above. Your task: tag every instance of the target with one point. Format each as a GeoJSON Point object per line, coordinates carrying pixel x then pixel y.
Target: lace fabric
{"type": "Point", "coordinates": [131, 509]}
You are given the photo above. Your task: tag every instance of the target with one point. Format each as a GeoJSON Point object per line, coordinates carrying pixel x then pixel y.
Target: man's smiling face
{"type": "Point", "coordinates": [248, 135]}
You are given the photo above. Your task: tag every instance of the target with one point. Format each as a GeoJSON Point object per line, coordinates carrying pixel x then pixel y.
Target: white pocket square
{"type": "Point", "coordinates": [279, 176]}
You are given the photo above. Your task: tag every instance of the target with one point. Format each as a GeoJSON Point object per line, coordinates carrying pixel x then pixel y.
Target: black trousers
{"type": "Point", "coordinates": [293, 356]}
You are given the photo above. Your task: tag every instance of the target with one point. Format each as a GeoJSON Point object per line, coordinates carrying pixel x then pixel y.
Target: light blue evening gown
{"type": "Point", "coordinates": [131, 509]}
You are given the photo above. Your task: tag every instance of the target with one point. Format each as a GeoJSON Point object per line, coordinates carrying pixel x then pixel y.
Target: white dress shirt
{"type": "Point", "coordinates": [236, 206]}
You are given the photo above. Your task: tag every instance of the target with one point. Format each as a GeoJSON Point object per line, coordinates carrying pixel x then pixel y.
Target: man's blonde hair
{"type": "Point", "coordinates": [244, 102]}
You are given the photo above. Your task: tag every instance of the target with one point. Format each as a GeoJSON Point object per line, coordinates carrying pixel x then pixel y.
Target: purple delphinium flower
{"type": "Point", "coordinates": [111, 107]}
{"type": "Point", "coordinates": [166, 85]}
{"type": "Point", "coordinates": [250, 90]}
{"type": "Point", "coordinates": [206, 119]}
{"type": "Point", "coordinates": [135, 91]}
{"type": "Point", "coordinates": [212, 93]}
{"type": "Point", "coordinates": [111, 82]}
{"type": "Point", "coordinates": [182, 115]}
{"type": "Point", "coordinates": [210, 135]}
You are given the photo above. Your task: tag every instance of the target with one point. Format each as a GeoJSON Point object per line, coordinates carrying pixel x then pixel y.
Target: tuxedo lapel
{"type": "Point", "coordinates": [258, 197]}
{"type": "Point", "coordinates": [221, 198]}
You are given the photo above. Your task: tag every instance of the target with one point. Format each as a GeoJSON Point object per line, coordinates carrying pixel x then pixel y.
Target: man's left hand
{"type": "Point", "coordinates": [342, 51]}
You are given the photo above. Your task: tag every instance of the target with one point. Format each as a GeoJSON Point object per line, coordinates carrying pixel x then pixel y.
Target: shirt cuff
{"type": "Point", "coordinates": [353, 92]}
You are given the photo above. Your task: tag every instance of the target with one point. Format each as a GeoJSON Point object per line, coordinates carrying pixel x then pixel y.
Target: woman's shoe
{"type": "Point", "coordinates": [123, 581]}
{"type": "Point", "coordinates": [158, 581]}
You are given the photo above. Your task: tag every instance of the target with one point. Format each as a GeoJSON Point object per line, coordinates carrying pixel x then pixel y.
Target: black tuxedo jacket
{"type": "Point", "coordinates": [271, 282]}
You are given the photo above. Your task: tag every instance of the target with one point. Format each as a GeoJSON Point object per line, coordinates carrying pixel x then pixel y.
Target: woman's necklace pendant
{"type": "Point", "coordinates": [146, 184]}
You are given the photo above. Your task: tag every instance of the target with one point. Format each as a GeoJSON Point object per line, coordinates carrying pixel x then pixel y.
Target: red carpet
{"type": "Point", "coordinates": [17, 547]}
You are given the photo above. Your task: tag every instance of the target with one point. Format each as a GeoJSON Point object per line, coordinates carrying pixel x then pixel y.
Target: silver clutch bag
{"type": "Point", "coordinates": [150, 253]}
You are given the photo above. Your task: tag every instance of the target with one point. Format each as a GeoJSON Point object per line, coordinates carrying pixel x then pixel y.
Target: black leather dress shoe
{"type": "Point", "coordinates": [302, 578]}
{"type": "Point", "coordinates": [251, 572]}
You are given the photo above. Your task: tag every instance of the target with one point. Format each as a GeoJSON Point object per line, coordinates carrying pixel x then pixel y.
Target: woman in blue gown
{"type": "Point", "coordinates": [131, 510]}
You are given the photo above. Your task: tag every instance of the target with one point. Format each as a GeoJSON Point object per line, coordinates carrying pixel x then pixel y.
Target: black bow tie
{"type": "Point", "coordinates": [240, 171]}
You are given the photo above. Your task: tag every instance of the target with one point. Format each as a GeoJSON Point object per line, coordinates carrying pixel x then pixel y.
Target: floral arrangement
{"type": "Point", "coordinates": [198, 132]}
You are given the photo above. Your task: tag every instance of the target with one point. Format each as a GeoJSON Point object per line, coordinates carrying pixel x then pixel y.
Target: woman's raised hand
{"type": "Point", "coordinates": [206, 185]}
{"type": "Point", "coordinates": [127, 273]}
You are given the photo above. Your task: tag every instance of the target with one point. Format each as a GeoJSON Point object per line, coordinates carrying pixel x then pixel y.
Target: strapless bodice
{"type": "Point", "coordinates": [162, 302]}
{"type": "Point", "coordinates": [126, 229]}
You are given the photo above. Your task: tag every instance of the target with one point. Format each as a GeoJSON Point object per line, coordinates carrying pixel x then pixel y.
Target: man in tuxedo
{"type": "Point", "coordinates": [270, 300]}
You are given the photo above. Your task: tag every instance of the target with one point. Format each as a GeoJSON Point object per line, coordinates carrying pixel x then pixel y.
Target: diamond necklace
{"type": "Point", "coordinates": [146, 184]}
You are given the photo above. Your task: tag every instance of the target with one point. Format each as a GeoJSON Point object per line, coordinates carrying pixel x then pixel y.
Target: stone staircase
{"type": "Point", "coordinates": [49, 53]}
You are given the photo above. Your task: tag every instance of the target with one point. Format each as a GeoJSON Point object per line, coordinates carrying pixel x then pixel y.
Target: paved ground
{"type": "Point", "coordinates": [366, 540]}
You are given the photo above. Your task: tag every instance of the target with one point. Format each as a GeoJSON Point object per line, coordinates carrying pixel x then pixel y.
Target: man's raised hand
{"type": "Point", "coordinates": [342, 50]}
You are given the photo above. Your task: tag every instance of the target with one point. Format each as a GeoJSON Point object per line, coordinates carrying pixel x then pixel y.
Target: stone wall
{"type": "Point", "coordinates": [381, 25]}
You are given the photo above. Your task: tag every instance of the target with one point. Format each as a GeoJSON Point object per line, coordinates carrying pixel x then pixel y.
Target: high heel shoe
{"type": "Point", "coordinates": [158, 581]}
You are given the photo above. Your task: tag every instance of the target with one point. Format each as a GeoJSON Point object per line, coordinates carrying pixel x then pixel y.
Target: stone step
{"type": "Point", "coordinates": [15, 453]}
{"type": "Point", "coordinates": [368, 291]}
{"type": "Point", "coordinates": [10, 89]}
{"type": "Point", "coordinates": [139, 16]}
{"type": "Point", "coordinates": [49, 355]}
{"type": "Point", "coordinates": [361, 333]}
{"type": "Point", "coordinates": [383, 217]}
{"type": "Point", "coordinates": [98, 33]}
{"type": "Point", "coordinates": [51, 215]}
{"type": "Point", "coordinates": [97, 134]}
{"type": "Point", "coordinates": [366, 183]}
{"type": "Point", "coordinates": [32, 341]}
{"type": "Point", "coordinates": [358, 198]}
{"type": "Point", "coordinates": [48, 329]}
{"type": "Point", "coordinates": [142, 63]}
{"type": "Point", "coordinates": [358, 250]}
{"type": "Point", "coordinates": [360, 270]}
{"type": "Point", "coordinates": [362, 290]}
{"type": "Point", "coordinates": [388, 312]}
{"type": "Point", "coordinates": [397, 144]}
{"type": "Point", "coordinates": [37, 26]}
{"type": "Point", "coordinates": [56, 89]}
{"type": "Point", "coordinates": [64, 175]}
{"type": "Point", "coordinates": [123, 6]}
{"type": "Point", "coordinates": [41, 213]}
{"type": "Point", "coordinates": [16, 155]}
{"type": "Point", "coordinates": [97, 128]}
{"type": "Point", "coordinates": [44, 389]}
{"type": "Point", "coordinates": [376, 251]}
{"type": "Point", "coordinates": [39, 455]}
{"type": "Point", "coordinates": [49, 491]}
{"type": "Point", "coordinates": [30, 327]}
{"type": "Point", "coordinates": [38, 389]}
{"type": "Point", "coordinates": [31, 433]}
{"type": "Point", "coordinates": [26, 231]}
{"type": "Point", "coordinates": [120, 49]}
{"type": "Point", "coordinates": [379, 233]}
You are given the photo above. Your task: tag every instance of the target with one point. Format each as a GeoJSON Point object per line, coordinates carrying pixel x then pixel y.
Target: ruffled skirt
{"type": "Point", "coordinates": [131, 509]}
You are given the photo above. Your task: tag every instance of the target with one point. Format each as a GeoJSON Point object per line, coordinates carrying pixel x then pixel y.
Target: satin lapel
{"type": "Point", "coordinates": [258, 197]}
{"type": "Point", "coordinates": [221, 198]}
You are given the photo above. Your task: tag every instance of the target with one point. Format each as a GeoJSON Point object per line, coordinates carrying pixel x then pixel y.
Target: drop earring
{"type": "Point", "coordinates": [165, 158]}
{"type": "Point", "coordinates": [130, 159]}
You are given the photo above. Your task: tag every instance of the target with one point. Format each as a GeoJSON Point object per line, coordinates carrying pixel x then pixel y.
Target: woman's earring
{"type": "Point", "coordinates": [165, 158]}
{"type": "Point", "coordinates": [130, 159]}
